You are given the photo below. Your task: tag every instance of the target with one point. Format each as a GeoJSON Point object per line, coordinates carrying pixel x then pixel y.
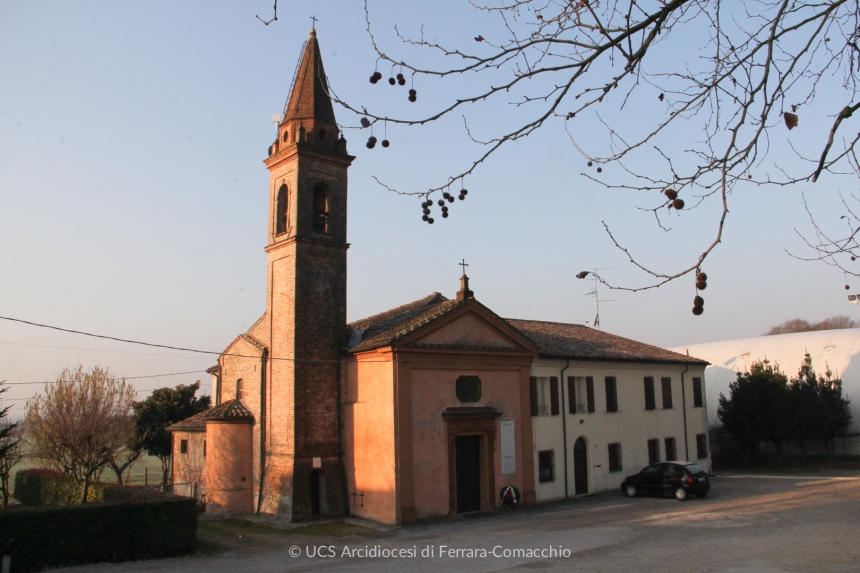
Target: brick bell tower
{"type": "Point", "coordinates": [306, 301]}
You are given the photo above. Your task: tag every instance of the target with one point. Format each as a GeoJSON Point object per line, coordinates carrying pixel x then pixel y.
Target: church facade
{"type": "Point", "coordinates": [429, 409]}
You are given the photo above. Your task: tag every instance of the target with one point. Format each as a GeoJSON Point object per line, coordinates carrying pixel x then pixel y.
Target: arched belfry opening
{"type": "Point", "coordinates": [321, 209]}
{"type": "Point", "coordinates": [281, 207]}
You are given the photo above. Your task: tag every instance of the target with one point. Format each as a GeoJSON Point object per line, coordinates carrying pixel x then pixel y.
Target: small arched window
{"type": "Point", "coordinates": [281, 211]}
{"type": "Point", "coordinates": [321, 208]}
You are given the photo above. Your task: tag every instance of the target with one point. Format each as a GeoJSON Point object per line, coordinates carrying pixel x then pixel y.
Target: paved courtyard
{"type": "Point", "coordinates": [761, 524]}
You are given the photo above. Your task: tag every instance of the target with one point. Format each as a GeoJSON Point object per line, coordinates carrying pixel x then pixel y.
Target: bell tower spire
{"type": "Point", "coordinates": [306, 300]}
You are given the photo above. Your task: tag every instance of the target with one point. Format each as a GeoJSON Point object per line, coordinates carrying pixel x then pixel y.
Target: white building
{"type": "Point", "coordinates": [838, 350]}
{"type": "Point", "coordinates": [604, 407]}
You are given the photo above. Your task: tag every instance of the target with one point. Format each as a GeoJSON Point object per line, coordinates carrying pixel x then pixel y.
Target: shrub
{"type": "Point", "coordinates": [42, 537]}
{"type": "Point", "coordinates": [49, 487]}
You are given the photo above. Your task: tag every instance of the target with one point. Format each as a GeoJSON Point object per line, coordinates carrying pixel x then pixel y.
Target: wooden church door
{"type": "Point", "coordinates": [468, 473]}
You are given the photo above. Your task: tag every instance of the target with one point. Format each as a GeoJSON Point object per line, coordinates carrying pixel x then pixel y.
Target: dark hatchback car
{"type": "Point", "coordinates": [679, 479]}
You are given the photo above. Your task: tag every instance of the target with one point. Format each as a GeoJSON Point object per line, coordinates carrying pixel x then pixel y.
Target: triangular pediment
{"type": "Point", "coordinates": [472, 327]}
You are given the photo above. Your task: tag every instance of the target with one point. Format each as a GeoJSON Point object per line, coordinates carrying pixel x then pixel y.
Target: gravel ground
{"type": "Point", "coordinates": [806, 521]}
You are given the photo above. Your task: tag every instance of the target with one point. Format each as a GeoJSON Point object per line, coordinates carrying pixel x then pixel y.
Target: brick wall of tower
{"type": "Point", "coordinates": [306, 301]}
{"type": "Point", "coordinates": [307, 309]}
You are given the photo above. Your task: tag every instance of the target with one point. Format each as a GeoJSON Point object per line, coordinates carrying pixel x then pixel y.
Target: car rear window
{"type": "Point", "coordinates": [695, 469]}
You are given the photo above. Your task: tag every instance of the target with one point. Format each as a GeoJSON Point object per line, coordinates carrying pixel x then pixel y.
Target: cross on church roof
{"type": "Point", "coordinates": [314, 18]}
{"type": "Point", "coordinates": [464, 265]}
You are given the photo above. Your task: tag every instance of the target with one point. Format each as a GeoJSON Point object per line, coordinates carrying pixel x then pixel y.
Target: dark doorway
{"type": "Point", "coordinates": [468, 473]}
{"type": "Point", "coordinates": [315, 493]}
{"type": "Point", "coordinates": [580, 467]}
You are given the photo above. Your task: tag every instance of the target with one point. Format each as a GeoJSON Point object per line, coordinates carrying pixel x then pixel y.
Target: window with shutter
{"type": "Point", "coordinates": [667, 393]}
{"type": "Point", "coordinates": [546, 465]}
{"type": "Point", "coordinates": [577, 394]}
{"type": "Point", "coordinates": [533, 393]}
{"type": "Point", "coordinates": [650, 399]}
{"type": "Point", "coordinates": [697, 393]}
{"type": "Point", "coordinates": [653, 451]}
{"type": "Point", "coordinates": [611, 395]}
{"type": "Point", "coordinates": [701, 446]}
{"type": "Point", "coordinates": [183, 446]}
{"type": "Point", "coordinates": [553, 396]}
{"type": "Point", "coordinates": [615, 457]}
{"type": "Point", "coordinates": [589, 386]}
{"type": "Point", "coordinates": [671, 454]}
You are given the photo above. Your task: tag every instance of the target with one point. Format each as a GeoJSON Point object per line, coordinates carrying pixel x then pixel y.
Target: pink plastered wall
{"type": "Point", "coordinates": [434, 390]}
{"type": "Point", "coordinates": [229, 473]}
{"type": "Point", "coordinates": [369, 437]}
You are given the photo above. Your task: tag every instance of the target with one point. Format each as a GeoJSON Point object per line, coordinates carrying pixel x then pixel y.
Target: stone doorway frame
{"type": "Point", "coordinates": [472, 421]}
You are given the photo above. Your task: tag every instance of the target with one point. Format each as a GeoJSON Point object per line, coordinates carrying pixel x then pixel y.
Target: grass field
{"type": "Point", "coordinates": [147, 470]}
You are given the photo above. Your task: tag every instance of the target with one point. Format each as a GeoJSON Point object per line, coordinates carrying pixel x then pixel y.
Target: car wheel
{"type": "Point", "coordinates": [681, 494]}
{"type": "Point", "coordinates": [701, 494]}
{"type": "Point", "coordinates": [630, 491]}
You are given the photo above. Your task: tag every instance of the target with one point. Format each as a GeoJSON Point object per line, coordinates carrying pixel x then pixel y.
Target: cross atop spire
{"type": "Point", "coordinates": [464, 291]}
{"type": "Point", "coordinates": [309, 99]}
{"type": "Point", "coordinates": [314, 18]}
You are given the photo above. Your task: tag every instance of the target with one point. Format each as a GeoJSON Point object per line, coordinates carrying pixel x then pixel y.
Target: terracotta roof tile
{"type": "Point", "coordinates": [229, 409]}
{"type": "Point", "coordinates": [559, 340]}
{"type": "Point", "coordinates": [196, 423]}
{"type": "Point", "coordinates": [390, 325]}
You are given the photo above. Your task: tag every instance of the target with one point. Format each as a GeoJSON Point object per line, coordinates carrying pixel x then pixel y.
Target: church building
{"type": "Point", "coordinates": [430, 409]}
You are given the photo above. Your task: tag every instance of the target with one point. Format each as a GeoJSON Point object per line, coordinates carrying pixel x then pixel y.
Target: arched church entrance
{"type": "Point", "coordinates": [580, 467]}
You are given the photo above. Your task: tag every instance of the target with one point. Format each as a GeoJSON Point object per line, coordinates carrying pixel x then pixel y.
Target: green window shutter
{"type": "Point", "coordinates": [650, 399]}
{"type": "Point", "coordinates": [553, 395]}
{"type": "Point", "coordinates": [534, 396]}
{"type": "Point", "coordinates": [667, 393]}
{"type": "Point", "coordinates": [589, 387]}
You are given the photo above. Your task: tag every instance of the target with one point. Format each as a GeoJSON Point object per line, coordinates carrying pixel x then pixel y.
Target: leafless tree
{"type": "Point", "coordinates": [125, 453]}
{"type": "Point", "coordinates": [11, 448]}
{"type": "Point", "coordinates": [799, 325]}
{"type": "Point", "coordinates": [80, 423]}
{"type": "Point", "coordinates": [691, 96]}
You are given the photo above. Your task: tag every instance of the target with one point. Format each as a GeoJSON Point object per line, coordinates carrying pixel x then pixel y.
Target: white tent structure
{"type": "Point", "coordinates": [838, 350]}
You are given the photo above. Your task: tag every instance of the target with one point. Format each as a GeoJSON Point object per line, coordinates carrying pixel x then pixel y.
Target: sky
{"type": "Point", "coordinates": [133, 197]}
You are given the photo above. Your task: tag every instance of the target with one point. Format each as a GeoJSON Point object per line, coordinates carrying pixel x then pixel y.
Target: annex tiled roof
{"type": "Point", "coordinates": [229, 409]}
{"type": "Point", "coordinates": [196, 423]}
{"type": "Point", "coordinates": [390, 325]}
{"type": "Point", "coordinates": [559, 340]}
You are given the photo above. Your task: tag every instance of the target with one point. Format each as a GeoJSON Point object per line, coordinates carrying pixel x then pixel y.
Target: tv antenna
{"type": "Point", "coordinates": [596, 294]}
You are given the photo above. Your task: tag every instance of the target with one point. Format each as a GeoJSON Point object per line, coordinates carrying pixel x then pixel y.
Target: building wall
{"type": "Point", "coordinates": [188, 467]}
{"type": "Point", "coordinates": [229, 468]}
{"type": "Point", "coordinates": [632, 426]}
{"type": "Point", "coordinates": [242, 360]}
{"type": "Point", "coordinates": [369, 440]}
{"type": "Point", "coordinates": [433, 389]}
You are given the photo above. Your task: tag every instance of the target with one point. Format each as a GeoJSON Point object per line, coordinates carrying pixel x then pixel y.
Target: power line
{"type": "Point", "coordinates": [100, 350]}
{"type": "Point", "coordinates": [114, 379]}
{"type": "Point", "coordinates": [314, 360]}
{"type": "Point", "coordinates": [108, 337]}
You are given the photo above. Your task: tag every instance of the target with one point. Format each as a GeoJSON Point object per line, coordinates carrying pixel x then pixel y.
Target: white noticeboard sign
{"type": "Point", "coordinates": [509, 450]}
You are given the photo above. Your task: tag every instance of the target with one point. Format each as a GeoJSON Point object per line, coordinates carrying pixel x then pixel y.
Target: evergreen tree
{"type": "Point", "coordinates": [164, 407]}
{"type": "Point", "coordinates": [755, 410]}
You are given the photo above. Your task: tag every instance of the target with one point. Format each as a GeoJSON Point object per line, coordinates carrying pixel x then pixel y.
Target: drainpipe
{"type": "Point", "coordinates": [263, 364]}
{"type": "Point", "coordinates": [684, 406]}
{"type": "Point", "coordinates": [564, 423]}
